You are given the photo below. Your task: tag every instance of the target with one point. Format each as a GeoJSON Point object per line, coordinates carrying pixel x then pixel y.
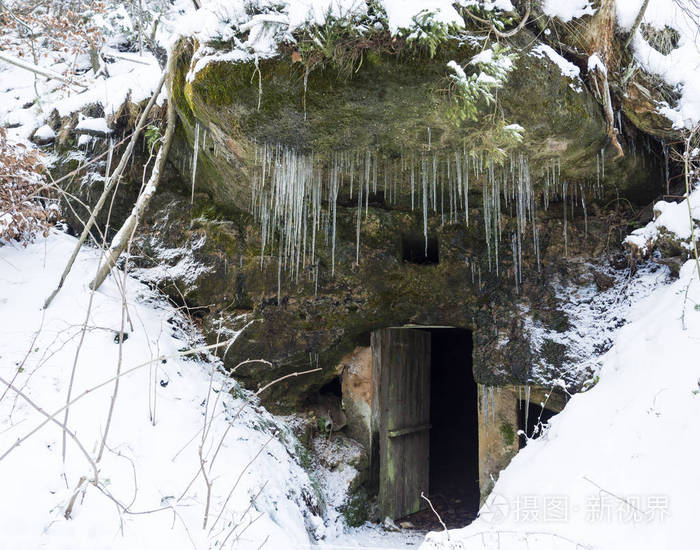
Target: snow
{"type": "Point", "coordinates": [93, 125]}
{"type": "Point", "coordinates": [373, 537]}
{"type": "Point", "coordinates": [131, 76]}
{"type": "Point", "coordinates": [595, 63]}
{"type": "Point", "coordinates": [566, 10]}
{"type": "Point", "coordinates": [671, 218]}
{"type": "Point", "coordinates": [401, 13]}
{"type": "Point", "coordinates": [567, 68]}
{"type": "Point", "coordinates": [152, 445]}
{"type": "Point", "coordinates": [45, 133]}
{"type": "Point", "coordinates": [594, 318]}
{"type": "Point", "coordinates": [680, 68]}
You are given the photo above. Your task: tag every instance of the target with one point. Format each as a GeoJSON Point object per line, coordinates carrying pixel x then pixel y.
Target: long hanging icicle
{"type": "Point", "coordinates": [527, 407]}
{"type": "Point", "coordinates": [566, 239]}
{"type": "Point", "coordinates": [466, 187]}
{"type": "Point", "coordinates": [359, 221]}
{"type": "Point", "coordinates": [195, 153]}
{"type": "Point", "coordinates": [413, 183]}
{"type": "Point", "coordinates": [424, 178]}
{"type": "Point", "coordinates": [334, 207]}
{"type": "Point", "coordinates": [585, 214]}
{"type": "Point", "coordinates": [108, 167]}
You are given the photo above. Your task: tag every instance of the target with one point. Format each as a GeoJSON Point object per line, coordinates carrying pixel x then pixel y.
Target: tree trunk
{"type": "Point", "coordinates": [109, 185]}
{"type": "Point", "coordinates": [126, 233]}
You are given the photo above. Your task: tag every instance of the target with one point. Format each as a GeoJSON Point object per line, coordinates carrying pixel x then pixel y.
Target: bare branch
{"type": "Point", "coordinates": [126, 233]}
{"type": "Point", "coordinates": [39, 70]}
{"type": "Point", "coordinates": [109, 185]}
{"type": "Point", "coordinates": [637, 22]}
{"type": "Point", "coordinates": [502, 34]}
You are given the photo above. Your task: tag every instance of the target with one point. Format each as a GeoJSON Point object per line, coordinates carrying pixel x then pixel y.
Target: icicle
{"type": "Point", "coordinates": [527, 406]}
{"type": "Point", "coordinates": [334, 208]}
{"type": "Point", "coordinates": [352, 177]}
{"type": "Point", "coordinates": [279, 276]}
{"type": "Point", "coordinates": [466, 187]}
{"type": "Point", "coordinates": [194, 157]}
{"type": "Point", "coordinates": [413, 183]}
{"type": "Point", "coordinates": [108, 167]}
{"type": "Point", "coordinates": [602, 163]}
{"type": "Point", "coordinates": [566, 240]}
{"type": "Point", "coordinates": [514, 246]}
{"type": "Point", "coordinates": [429, 138]}
{"type": "Point", "coordinates": [424, 178]}
{"type": "Point", "coordinates": [442, 193]}
{"type": "Point", "coordinates": [585, 214]}
{"type": "Point", "coordinates": [487, 220]}
{"type": "Point", "coordinates": [357, 229]}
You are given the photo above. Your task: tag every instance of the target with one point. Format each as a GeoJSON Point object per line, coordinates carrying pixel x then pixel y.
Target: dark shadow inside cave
{"type": "Point", "coordinates": [413, 249]}
{"type": "Point", "coordinates": [454, 432]}
{"type": "Point", "coordinates": [530, 424]}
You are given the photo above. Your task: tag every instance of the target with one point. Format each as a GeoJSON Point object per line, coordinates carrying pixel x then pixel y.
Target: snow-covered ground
{"type": "Point", "coordinates": [149, 491]}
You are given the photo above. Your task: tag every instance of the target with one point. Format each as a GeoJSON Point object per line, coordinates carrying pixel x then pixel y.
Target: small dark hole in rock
{"type": "Point", "coordinates": [413, 249]}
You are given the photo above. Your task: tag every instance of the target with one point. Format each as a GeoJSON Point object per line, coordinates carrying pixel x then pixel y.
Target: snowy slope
{"type": "Point", "coordinates": [151, 455]}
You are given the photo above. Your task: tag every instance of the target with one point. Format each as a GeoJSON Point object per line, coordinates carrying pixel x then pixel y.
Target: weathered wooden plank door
{"type": "Point", "coordinates": [401, 366]}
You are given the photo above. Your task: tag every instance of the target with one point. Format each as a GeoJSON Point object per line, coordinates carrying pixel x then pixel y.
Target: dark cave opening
{"type": "Point", "coordinates": [333, 388]}
{"type": "Point", "coordinates": [454, 432]}
{"type": "Point", "coordinates": [530, 425]}
{"type": "Point", "coordinates": [454, 435]}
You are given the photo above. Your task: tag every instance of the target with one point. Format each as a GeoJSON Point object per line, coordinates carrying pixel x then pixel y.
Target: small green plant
{"type": "Point", "coordinates": [588, 384]}
{"type": "Point", "coordinates": [471, 93]}
{"type": "Point", "coordinates": [507, 433]}
{"type": "Point", "coordinates": [152, 136]}
{"type": "Point", "coordinates": [429, 33]}
{"type": "Point", "coordinates": [356, 509]}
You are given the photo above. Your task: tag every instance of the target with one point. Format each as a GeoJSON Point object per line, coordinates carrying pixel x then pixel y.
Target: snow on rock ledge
{"type": "Point", "coordinates": [671, 224]}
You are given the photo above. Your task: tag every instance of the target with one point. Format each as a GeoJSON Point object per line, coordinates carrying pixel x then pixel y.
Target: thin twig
{"type": "Point", "coordinates": [447, 533]}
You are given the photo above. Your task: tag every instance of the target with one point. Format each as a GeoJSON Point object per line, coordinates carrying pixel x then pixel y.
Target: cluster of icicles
{"type": "Point", "coordinates": [295, 199]}
{"type": "Point", "coordinates": [488, 404]}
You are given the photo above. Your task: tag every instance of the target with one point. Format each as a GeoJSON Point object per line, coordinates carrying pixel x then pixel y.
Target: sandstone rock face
{"type": "Point", "coordinates": [498, 275]}
{"type": "Point", "coordinates": [394, 110]}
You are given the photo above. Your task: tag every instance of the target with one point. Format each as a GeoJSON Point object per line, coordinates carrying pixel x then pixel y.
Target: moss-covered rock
{"type": "Point", "coordinates": [208, 253]}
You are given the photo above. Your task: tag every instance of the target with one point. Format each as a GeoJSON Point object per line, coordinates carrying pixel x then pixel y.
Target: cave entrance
{"type": "Point", "coordinates": [427, 420]}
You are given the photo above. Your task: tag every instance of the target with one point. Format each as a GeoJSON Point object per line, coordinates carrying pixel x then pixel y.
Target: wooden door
{"type": "Point", "coordinates": [401, 366]}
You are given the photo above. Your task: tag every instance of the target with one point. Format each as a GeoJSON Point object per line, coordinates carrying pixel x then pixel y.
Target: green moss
{"type": "Point", "coordinates": [356, 509]}
{"type": "Point", "coordinates": [507, 433]}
